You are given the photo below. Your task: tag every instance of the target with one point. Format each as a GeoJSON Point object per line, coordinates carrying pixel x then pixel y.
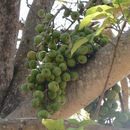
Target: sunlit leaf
{"type": "Point", "coordinates": [53, 124]}
{"type": "Point", "coordinates": [107, 23]}
{"type": "Point", "coordinates": [99, 8]}
{"type": "Point", "coordinates": [78, 44]}
{"type": "Point", "coordinates": [96, 16]}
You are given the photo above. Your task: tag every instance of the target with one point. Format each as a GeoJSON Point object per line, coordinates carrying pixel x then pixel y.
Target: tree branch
{"type": "Point", "coordinates": [125, 94]}
{"type": "Point", "coordinates": [91, 80]}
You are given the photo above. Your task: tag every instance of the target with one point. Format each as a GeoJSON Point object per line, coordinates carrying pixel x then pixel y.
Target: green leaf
{"type": "Point", "coordinates": [88, 19]}
{"type": "Point", "coordinates": [96, 13]}
{"type": "Point", "coordinates": [116, 1]}
{"type": "Point", "coordinates": [78, 44]}
{"type": "Point", "coordinates": [96, 16]}
{"type": "Point", "coordinates": [107, 23]}
{"type": "Point", "coordinates": [123, 3]}
{"type": "Point", "coordinates": [87, 122]}
{"type": "Point", "coordinates": [73, 121]}
{"type": "Point", "coordinates": [99, 8]}
{"type": "Point", "coordinates": [80, 128]}
{"type": "Point", "coordinates": [53, 124]}
{"type": "Point", "coordinates": [107, 1]}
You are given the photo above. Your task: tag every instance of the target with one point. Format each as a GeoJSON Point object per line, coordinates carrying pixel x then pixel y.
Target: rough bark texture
{"type": "Point", "coordinates": [37, 125]}
{"type": "Point", "coordinates": [93, 76]}
{"type": "Point", "coordinates": [91, 80]}
{"type": "Point", "coordinates": [9, 14]}
{"type": "Point", "coordinates": [20, 72]}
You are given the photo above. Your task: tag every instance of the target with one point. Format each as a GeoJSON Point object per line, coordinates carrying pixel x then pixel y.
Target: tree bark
{"type": "Point", "coordinates": [13, 95]}
{"type": "Point", "coordinates": [9, 16]}
{"type": "Point", "coordinates": [92, 77]}
{"type": "Point", "coordinates": [91, 81]}
{"type": "Point", "coordinates": [37, 125]}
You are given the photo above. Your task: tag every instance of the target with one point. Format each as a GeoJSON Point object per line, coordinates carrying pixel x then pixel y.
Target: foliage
{"type": "Point", "coordinates": [53, 124]}
{"type": "Point", "coordinates": [59, 124]}
{"type": "Point", "coordinates": [108, 13]}
{"type": "Point", "coordinates": [108, 113]}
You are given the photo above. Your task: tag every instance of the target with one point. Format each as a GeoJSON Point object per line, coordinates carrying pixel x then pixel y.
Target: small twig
{"type": "Point", "coordinates": [19, 39]}
{"type": "Point", "coordinates": [52, 20]}
{"type": "Point", "coordinates": [128, 77]}
{"type": "Point", "coordinates": [69, 20]}
{"type": "Point", "coordinates": [78, 115]}
{"type": "Point", "coordinates": [121, 101]}
{"type": "Point", "coordinates": [69, 26]}
{"type": "Point", "coordinates": [28, 5]}
{"type": "Point", "coordinates": [20, 25]}
{"type": "Point", "coordinates": [112, 27]}
{"type": "Point", "coordinates": [109, 72]}
{"type": "Point", "coordinates": [121, 9]}
{"type": "Point", "coordinates": [125, 95]}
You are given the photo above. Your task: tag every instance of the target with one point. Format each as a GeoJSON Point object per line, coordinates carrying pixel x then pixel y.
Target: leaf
{"type": "Point", "coordinates": [107, 1]}
{"type": "Point", "coordinates": [53, 124]}
{"type": "Point", "coordinates": [88, 19]}
{"type": "Point", "coordinates": [123, 3]}
{"type": "Point", "coordinates": [98, 8]}
{"type": "Point", "coordinates": [80, 128]}
{"type": "Point", "coordinates": [96, 16]}
{"type": "Point", "coordinates": [107, 23]}
{"type": "Point", "coordinates": [126, 13]}
{"type": "Point", "coordinates": [78, 44]}
{"type": "Point", "coordinates": [73, 121]}
{"type": "Point", "coordinates": [116, 1]}
{"type": "Point", "coordinates": [87, 122]}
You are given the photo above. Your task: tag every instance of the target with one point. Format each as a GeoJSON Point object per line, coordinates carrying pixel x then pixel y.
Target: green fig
{"type": "Point", "coordinates": [43, 114]}
{"type": "Point", "coordinates": [31, 55]}
{"type": "Point", "coordinates": [53, 86]}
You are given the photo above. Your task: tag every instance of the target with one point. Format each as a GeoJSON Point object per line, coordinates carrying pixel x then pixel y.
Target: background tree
{"type": "Point", "coordinates": [79, 93]}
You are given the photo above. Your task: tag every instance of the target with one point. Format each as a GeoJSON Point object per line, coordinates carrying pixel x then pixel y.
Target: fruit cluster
{"type": "Point", "coordinates": [51, 64]}
{"type": "Point", "coordinates": [108, 113]}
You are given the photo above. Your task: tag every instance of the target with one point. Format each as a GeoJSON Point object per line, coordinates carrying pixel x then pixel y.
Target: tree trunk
{"type": "Point", "coordinates": [9, 16]}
